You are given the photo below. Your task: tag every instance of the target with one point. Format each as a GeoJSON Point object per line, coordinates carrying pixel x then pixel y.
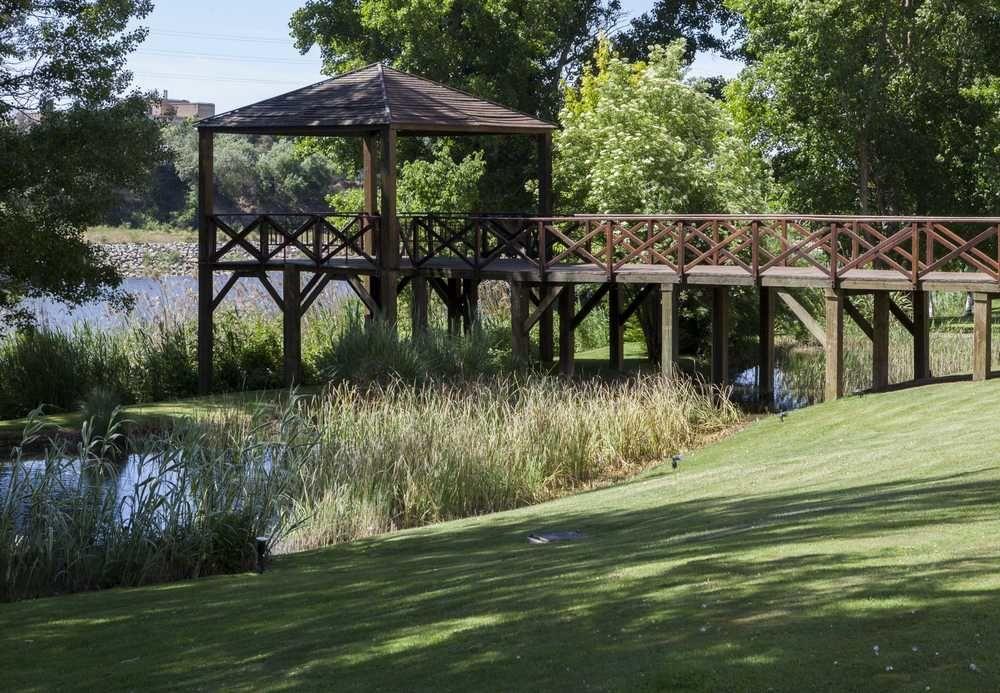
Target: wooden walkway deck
{"type": "Point", "coordinates": [632, 260]}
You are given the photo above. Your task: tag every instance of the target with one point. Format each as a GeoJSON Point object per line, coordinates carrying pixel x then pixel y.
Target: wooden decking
{"type": "Point", "coordinates": [505, 269]}
{"type": "Point", "coordinates": [632, 261]}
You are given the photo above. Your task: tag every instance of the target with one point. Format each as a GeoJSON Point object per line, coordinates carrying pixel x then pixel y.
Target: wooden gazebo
{"type": "Point", "coordinates": [377, 104]}
{"type": "Point", "coordinates": [544, 258]}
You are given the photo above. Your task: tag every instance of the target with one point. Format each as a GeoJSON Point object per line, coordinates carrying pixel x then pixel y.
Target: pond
{"type": "Point", "coordinates": [162, 296]}
{"type": "Point", "coordinates": [118, 484]}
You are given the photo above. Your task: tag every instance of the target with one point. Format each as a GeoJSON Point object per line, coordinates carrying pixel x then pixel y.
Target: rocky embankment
{"type": "Point", "coordinates": [150, 259]}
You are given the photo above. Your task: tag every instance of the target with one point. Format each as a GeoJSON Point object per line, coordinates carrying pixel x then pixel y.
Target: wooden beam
{"type": "Point", "coordinates": [982, 336]}
{"type": "Point", "coordinates": [834, 301]}
{"type": "Point", "coordinates": [206, 251]}
{"type": "Point", "coordinates": [545, 301]}
{"type": "Point", "coordinates": [419, 304]}
{"type": "Point", "coordinates": [637, 300]}
{"type": "Point", "coordinates": [880, 341]}
{"type": "Point", "coordinates": [720, 335]}
{"type": "Point", "coordinates": [857, 317]}
{"type": "Point", "coordinates": [361, 292]}
{"type": "Point", "coordinates": [921, 336]}
{"type": "Point", "coordinates": [616, 328]}
{"type": "Point", "coordinates": [546, 331]}
{"type": "Point", "coordinates": [292, 325]}
{"type": "Point", "coordinates": [520, 340]}
{"type": "Point", "coordinates": [765, 346]}
{"type": "Point", "coordinates": [900, 315]}
{"type": "Point", "coordinates": [388, 251]}
{"type": "Point", "coordinates": [592, 302]}
{"type": "Point", "coordinates": [803, 315]}
{"type": "Point", "coordinates": [669, 329]}
{"type": "Point", "coordinates": [567, 335]}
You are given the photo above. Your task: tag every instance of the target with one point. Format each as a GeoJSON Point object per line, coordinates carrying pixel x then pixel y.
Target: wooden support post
{"type": "Point", "coordinates": [765, 347]}
{"type": "Point", "coordinates": [880, 341]}
{"type": "Point", "coordinates": [519, 305]}
{"type": "Point", "coordinates": [546, 335]}
{"type": "Point", "coordinates": [369, 150]}
{"type": "Point", "coordinates": [292, 323]}
{"type": "Point", "coordinates": [982, 336]}
{"type": "Point", "coordinates": [388, 250]}
{"type": "Point", "coordinates": [206, 251]}
{"type": "Point", "coordinates": [454, 307]}
{"type": "Point", "coordinates": [616, 328]}
{"type": "Point", "coordinates": [418, 304]}
{"type": "Point", "coordinates": [720, 335]}
{"type": "Point", "coordinates": [567, 335]}
{"type": "Point", "coordinates": [921, 336]}
{"type": "Point", "coordinates": [546, 327]}
{"type": "Point", "coordinates": [669, 329]}
{"type": "Point", "coordinates": [834, 300]}
{"type": "Point", "coordinates": [469, 304]}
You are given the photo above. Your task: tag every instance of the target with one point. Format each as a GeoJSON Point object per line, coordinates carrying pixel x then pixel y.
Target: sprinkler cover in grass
{"type": "Point", "coordinates": [551, 537]}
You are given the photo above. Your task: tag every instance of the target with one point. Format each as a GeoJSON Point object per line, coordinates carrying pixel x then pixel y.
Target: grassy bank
{"type": "Point", "coordinates": [359, 459]}
{"type": "Point", "coordinates": [777, 559]}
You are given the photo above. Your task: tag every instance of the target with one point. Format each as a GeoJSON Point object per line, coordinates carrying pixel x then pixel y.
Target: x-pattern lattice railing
{"type": "Point", "coordinates": [317, 238]}
{"type": "Point", "coordinates": [833, 247]}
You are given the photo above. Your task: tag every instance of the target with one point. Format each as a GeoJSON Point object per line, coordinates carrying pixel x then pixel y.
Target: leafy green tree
{"type": "Point", "coordinates": [872, 106]}
{"type": "Point", "coordinates": [515, 52]}
{"type": "Point", "coordinates": [68, 142]}
{"type": "Point", "coordinates": [637, 138]}
{"type": "Point", "coordinates": [254, 173]}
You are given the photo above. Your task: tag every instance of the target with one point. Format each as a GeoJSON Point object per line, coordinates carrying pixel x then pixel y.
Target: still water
{"type": "Point", "coordinates": [157, 298]}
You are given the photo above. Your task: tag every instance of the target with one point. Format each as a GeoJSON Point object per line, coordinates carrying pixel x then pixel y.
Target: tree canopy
{"type": "Point", "coordinates": [69, 144]}
{"type": "Point", "coordinates": [637, 138]}
{"type": "Point", "coordinates": [873, 106]}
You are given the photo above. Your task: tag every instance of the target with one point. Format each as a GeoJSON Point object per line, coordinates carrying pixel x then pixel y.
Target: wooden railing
{"type": "Point", "coordinates": [316, 238]}
{"type": "Point", "coordinates": [832, 247]}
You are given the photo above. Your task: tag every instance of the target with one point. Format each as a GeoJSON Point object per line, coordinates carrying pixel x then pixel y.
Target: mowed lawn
{"type": "Point", "coordinates": [852, 546]}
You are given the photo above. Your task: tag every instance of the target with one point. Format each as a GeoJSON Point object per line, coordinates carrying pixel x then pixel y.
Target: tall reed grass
{"type": "Point", "coordinates": [358, 460]}
{"type": "Point", "coordinates": [70, 521]}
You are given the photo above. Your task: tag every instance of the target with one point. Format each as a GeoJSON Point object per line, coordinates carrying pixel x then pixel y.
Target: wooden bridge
{"type": "Point", "coordinates": [544, 258]}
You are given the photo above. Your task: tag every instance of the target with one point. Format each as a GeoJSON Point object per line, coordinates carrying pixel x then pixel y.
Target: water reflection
{"type": "Point", "coordinates": [157, 298]}
{"type": "Point", "coordinates": [119, 487]}
{"type": "Point", "coordinates": [786, 396]}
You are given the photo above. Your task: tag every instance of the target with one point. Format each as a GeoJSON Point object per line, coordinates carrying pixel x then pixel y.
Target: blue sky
{"type": "Point", "coordinates": [228, 53]}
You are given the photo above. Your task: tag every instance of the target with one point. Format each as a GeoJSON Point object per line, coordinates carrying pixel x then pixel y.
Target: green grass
{"type": "Point", "coordinates": [776, 559]}
{"type": "Point", "coordinates": [128, 234]}
{"type": "Point", "coordinates": [158, 413]}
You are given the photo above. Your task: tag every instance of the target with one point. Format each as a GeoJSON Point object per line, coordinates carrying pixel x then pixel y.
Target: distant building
{"type": "Point", "coordinates": [179, 110]}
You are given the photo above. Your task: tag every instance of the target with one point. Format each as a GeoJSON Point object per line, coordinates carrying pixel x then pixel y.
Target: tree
{"type": "Point", "coordinates": [637, 139]}
{"type": "Point", "coordinates": [703, 24]}
{"type": "Point", "coordinates": [68, 142]}
{"type": "Point", "coordinates": [253, 173]}
{"type": "Point", "coordinates": [873, 106]}
{"type": "Point", "coordinates": [515, 52]}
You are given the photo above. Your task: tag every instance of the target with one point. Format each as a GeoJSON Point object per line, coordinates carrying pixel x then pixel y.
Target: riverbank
{"type": "Point", "coordinates": [803, 553]}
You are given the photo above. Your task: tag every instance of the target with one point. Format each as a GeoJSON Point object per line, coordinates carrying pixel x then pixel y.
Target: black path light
{"type": "Point", "coordinates": [262, 544]}
{"type": "Point", "coordinates": [676, 460]}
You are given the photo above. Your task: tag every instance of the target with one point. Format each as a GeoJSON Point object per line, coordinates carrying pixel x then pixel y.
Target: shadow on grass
{"type": "Point", "coordinates": [783, 592]}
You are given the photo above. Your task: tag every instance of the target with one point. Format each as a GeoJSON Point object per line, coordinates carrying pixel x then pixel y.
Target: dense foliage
{"type": "Point", "coordinates": [68, 142]}
{"type": "Point", "coordinates": [876, 107]}
{"type": "Point", "coordinates": [637, 138]}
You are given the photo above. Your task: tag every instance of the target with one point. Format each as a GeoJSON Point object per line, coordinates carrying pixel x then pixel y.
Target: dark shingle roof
{"type": "Point", "coordinates": [373, 97]}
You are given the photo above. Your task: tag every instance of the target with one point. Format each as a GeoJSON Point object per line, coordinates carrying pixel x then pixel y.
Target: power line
{"type": "Point", "coordinates": [225, 57]}
{"type": "Point", "coordinates": [220, 37]}
{"type": "Point", "coordinates": [206, 78]}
